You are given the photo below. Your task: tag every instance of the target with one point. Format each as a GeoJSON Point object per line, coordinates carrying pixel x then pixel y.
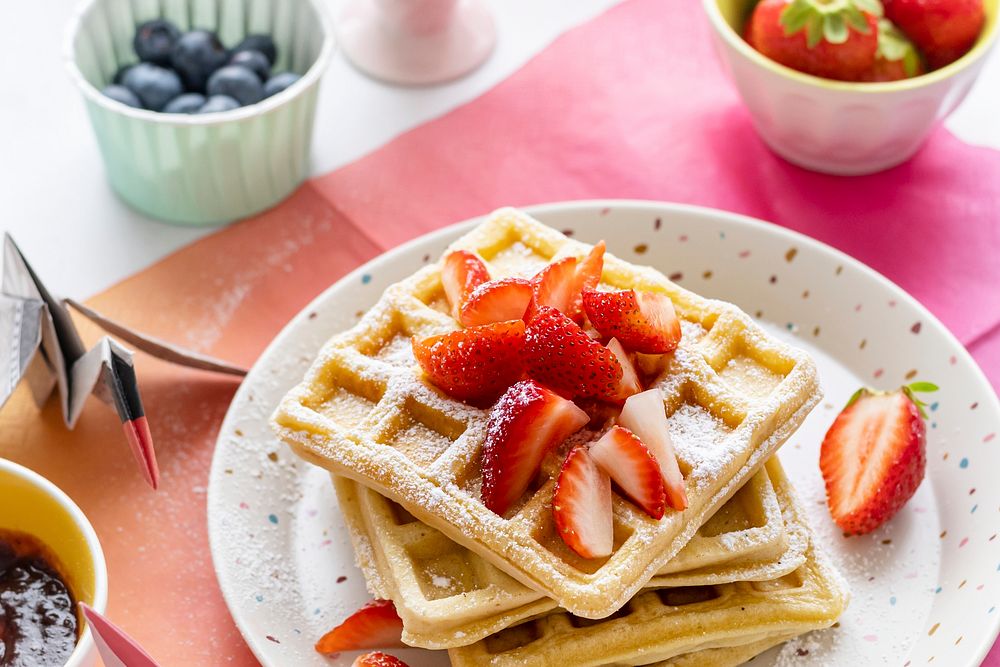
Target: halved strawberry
{"type": "Point", "coordinates": [629, 462]}
{"type": "Point", "coordinates": [588, 275]}
{"type": "Point", "coordinates": [559, 354]}
{"type": "Point", "coordinates": [461, 273]}
{"type": "Point", "coordinates": [581, 505]}
{"type": "Point", "coordinates": [642, 321]}
{"type": "Point", "coordinates": [873, 457]}
{"type": "Point", "coordinates": [645, 416]}
{"type": "Point", "coordinates": [375, 625]}
{"type": "Point", "coordinates": [527, 422]}
{"type": "Point", "coordinates": [378, 659]}
{"type": "Point", "coordinates": [555, 285]}
{"type": "Point", "coordinates": [473, 364]}
{"type": "Point", "coordinates": [630, 383]}
{"type": "Point", "coordinates": [496, 301]}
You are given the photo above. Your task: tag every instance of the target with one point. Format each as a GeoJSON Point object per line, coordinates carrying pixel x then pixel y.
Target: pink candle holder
{"type": "Point", "coordinates": [416, 42]}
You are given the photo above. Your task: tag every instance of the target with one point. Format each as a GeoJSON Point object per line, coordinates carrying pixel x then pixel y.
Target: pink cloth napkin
{"type": "Point", "coordinates": [634, 104]}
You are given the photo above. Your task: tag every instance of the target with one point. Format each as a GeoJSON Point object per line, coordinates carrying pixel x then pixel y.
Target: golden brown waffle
{"type": "Point", "coordinates": [664, 624]}
{"type": "Point", "coordinates": [447, 596]}
{"type": "Point", "coordinates": [727, 656]}
{"type": "Point", "coordinates": [733, 395]}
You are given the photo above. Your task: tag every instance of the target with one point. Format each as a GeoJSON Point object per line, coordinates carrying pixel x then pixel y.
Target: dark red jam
{"type": "Point", "coordinates": [38, 623]}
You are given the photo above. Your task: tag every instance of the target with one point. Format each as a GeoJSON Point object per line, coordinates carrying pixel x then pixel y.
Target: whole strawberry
{"type": "Point", "coordinates": [835, 39]}
{"type": "Point", "coordinates": [873, 457]}
{"type": "Point", "coordinates": [943, 29]}
{"type": "Point", "coordinates": [897, 58]}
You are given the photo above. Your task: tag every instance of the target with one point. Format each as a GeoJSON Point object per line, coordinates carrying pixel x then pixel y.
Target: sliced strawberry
{"type": "Point", "coordinates": [497, 301]}
{"type": "Point", "coordinates": [555, 285]}
{"type": "Point", "coordinates": [645, 416]}
{"type": "Point", "coordinates": [473, 364]}
{"type": "Point", "coordinates": [623, 456]}
{"type": "Point", "coordinates": [588, 276]}
{"type": "Point", "coordinates": [873, 457]}
{"type": "Point", "coordinates": [630, 378]}
{"type": "Point", "coordinates": [375, 625]}
{"type": "Point", "coordinates": [642, 321]}
{"type": "Point", "coordinates": [461, 273]}
{"type": "Point", "coordinates": [581, 505]}
{"type": "Point", "coordinates": [560, 355]}
{"type": "Point", "coordinates": [527, 422]}
{"type": "Point", "coordinates": [378, 659]}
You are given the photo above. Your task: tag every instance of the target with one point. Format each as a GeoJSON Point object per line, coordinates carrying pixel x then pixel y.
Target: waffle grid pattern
{"type": "Point", "coordinates": [363, 412]}
{"type": "Point", "coordinates": [447, 596]}
{"type": "Point", "coordinates": [659, 625]}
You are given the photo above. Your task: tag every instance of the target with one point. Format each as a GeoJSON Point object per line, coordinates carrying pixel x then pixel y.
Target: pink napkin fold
{"type": "Point", "coordinates": [634, 104]}
{"type": "Point", "coordinates": [117, 649]}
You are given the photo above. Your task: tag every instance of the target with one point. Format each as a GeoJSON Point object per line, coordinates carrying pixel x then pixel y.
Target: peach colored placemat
{"type": "Point", "coordinates": [631, 104]}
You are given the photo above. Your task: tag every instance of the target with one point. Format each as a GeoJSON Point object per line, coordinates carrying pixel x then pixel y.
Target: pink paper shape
{"type": "Point", "coordinates": [117, 649]}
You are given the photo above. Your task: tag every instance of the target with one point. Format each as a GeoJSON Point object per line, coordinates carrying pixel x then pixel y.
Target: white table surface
{"type": "Point", "coordinates": [81, 238]}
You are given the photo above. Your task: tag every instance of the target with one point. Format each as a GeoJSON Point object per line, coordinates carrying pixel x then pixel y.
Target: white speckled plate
{"type": "Point", "coordinates": [923, 586]}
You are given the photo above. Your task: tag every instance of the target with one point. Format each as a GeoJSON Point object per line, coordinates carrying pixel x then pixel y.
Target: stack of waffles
{"type": "Point", "coordinates": [734, 573]}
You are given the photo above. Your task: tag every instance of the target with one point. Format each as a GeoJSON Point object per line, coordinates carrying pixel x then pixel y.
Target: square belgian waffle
{"type": "Point", "coordinates": [691, 625]}
{"type": "Point", "coordinates": [733, 395]}
{"type": "Point", "coordinates": [447, 596]}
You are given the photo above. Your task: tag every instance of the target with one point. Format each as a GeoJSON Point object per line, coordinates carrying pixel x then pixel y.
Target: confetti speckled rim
{"type": "Point", "coordinates": [929, 577]}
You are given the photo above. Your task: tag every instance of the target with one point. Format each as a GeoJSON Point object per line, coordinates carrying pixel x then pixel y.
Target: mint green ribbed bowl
{"type": "Point", "coordinates": [192, 169]}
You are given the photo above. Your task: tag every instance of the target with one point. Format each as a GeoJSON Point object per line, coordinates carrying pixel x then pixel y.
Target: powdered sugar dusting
{"type": "Point", "coordinates": [700, 441]}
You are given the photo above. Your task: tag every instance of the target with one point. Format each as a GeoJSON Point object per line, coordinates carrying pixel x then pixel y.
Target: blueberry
{"type": "Point", "coordinates": [154, 40]}
{"type": "Point", "coordinates": [186, 103]}
{"type": "Point", "coordinates": [262, 43]}
{"type": "Point", "coordinates": [196, 55]}
{"type": "Point", "coordinates": [255, 61]}
{"type": "Point", "coordinates": [279, 82]}
{"type": "Point", "coordinates": [122, 94]}
{"type": "Point", "coordinates": [119, 78]}
{"type": "Point", "coordinates": [217, 103]}
{"type": "Point", "coordinates": [154, 85]}
{"type": "Point", "coordinates": [237, 82]}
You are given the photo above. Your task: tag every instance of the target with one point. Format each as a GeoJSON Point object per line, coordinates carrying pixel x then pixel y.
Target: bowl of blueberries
{"type": "Point", "coordinates": [203, 110]}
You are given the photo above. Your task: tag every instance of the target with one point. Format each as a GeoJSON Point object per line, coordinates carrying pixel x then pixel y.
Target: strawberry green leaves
{"type": "Point", "coordinates": [894, 46]}
{"type": "Point", "coordinates": [829, 20]}
{"type": "Point", "coordinates": [910, 390]}
{"type": "Point", "coordinates": [919, 387]}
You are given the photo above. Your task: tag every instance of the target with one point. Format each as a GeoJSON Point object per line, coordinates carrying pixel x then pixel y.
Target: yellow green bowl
{"type": "Point", "coordinates": [841, 127]}
{"type": "Point", "coordinates": [31, 504]}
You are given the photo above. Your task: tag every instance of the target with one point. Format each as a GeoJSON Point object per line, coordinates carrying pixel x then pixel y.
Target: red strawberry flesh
{"type": "Point", "coordinates": [497, 301]}
{"type": "Point", "coordinates": [526, 423]}
{"type": "Point", "coordinates": [644, 415]}
{"type": "Point", "coordinates": [581, 506]}
{"type": "Point", "coordinates": [630, 383]}
{"type": "Point", "coordinates": [474, 364]}
{"type": "Point", "coordinates": [461, 272]}
{"type": "Point", "coordinates": [873, 459]}
{"type": "Point", "coordinates": [633, 468]}
{"type": "Point", "coordinates": [375, 625]}
{"type": "Point", "coordinates": [588, 276]}
{"type": "Point", "coordinates": [641, 321]}
{"type": "Point", "coordinates": [378, 659]}
{"type": "Point", "coordinates": [559, 354]}
{"type": "Point", "coordinates": [555, 285]}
